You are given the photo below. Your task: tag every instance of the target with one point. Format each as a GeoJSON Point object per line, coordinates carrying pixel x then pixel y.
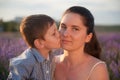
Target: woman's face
{"type": "Point", "coordinates": [73, 32]}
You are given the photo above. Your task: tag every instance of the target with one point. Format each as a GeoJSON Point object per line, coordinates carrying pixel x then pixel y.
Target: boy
{"type": "Point", "coordinates": [36, 62]}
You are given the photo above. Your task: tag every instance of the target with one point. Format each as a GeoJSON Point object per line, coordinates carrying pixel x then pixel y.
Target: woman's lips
{"type": "Point", "coordinates": [65, 41]}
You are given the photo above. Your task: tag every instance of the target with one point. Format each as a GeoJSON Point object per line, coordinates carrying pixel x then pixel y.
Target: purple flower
{"type": "Point", "coordinates": [115, 69]}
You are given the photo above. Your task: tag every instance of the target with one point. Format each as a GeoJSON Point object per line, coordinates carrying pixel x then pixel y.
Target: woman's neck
{"type": "Point", "coordinates": [74, 58]}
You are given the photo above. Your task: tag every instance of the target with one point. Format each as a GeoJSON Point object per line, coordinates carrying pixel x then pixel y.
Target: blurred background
{"type": "Point", "coordinates": [107, 26]}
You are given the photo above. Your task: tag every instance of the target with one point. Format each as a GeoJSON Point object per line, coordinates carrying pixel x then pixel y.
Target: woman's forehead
{"type": "Point", "coordinates": [72, 19]}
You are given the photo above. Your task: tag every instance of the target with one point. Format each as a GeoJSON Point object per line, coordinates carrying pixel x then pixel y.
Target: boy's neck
{"type": "Point", "coordinates": [44, 53]}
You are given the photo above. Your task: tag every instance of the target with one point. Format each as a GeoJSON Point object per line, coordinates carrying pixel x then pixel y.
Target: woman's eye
{"type": "Point", "coordinates": [63, 27]}
{"type": "Point", "coordinates": [75, 29]}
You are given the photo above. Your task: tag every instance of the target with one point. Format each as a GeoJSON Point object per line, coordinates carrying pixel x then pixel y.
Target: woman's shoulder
{"type": "Point", "coordinates": [96, 63]}
{"type": "Point", "coordinates": [98, 69]}
{"type": "Point", "coordinates": [95, 60]}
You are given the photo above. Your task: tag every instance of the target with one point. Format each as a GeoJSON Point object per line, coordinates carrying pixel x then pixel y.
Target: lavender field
{"type": "Point", "coordinates": [110, 43]}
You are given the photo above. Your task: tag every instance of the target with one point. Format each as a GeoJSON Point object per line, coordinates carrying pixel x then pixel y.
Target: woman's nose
{"type": "Point", "coordinates": [66, 33]}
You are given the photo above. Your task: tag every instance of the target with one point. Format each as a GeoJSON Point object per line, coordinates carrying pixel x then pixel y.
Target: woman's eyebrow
{"type": "Point", "coordinates": [63, 24]}
{"type": "Point", "coordinates": [75, 26]}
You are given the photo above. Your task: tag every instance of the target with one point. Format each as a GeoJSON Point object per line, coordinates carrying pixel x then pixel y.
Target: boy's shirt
{"type": "Point", "coordinates": [31, 65]}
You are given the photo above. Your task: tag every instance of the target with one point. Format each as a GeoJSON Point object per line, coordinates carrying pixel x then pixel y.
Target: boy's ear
{"type": "Point", "coordinates": [39, 43]}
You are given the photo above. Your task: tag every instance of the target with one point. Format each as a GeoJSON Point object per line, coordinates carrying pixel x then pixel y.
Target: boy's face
{"type": "Point", "coordinates": [52, 38]}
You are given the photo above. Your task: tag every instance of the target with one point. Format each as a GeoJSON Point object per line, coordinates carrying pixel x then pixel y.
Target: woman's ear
{"type": "Point", "coordinates": [39, 43]}
{"type": "Point", "coordinates": [89, 36]}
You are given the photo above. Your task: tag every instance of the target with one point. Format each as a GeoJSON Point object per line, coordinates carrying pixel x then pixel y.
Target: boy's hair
{"type": "Point", "coordinates": [34, 27]}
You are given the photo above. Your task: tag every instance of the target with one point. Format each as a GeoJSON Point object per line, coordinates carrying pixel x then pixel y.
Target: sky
{"type": "Point", "coordinates": [105, 12]}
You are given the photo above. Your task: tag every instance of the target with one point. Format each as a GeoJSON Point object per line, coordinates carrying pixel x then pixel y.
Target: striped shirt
{"type": "Point", "coordinates": [30, 65]}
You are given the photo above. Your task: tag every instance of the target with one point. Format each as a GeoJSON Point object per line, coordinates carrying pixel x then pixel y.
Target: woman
{"type": "Point", "coordinates": [82, 49]}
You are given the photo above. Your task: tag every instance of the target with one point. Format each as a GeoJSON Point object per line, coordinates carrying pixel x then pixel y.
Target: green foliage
{"type": "Point", "coordinates": [3, 70]}
{"type": "Point", "coordinates": [110, 28]}
{"type": "Point", "coordinates": [10, 26]}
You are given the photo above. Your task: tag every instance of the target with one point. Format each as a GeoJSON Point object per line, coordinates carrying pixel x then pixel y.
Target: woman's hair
{"type": "Point", "coordinates": [93, 48]}
{"type": "Point", "coordinates": [34, 27]}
